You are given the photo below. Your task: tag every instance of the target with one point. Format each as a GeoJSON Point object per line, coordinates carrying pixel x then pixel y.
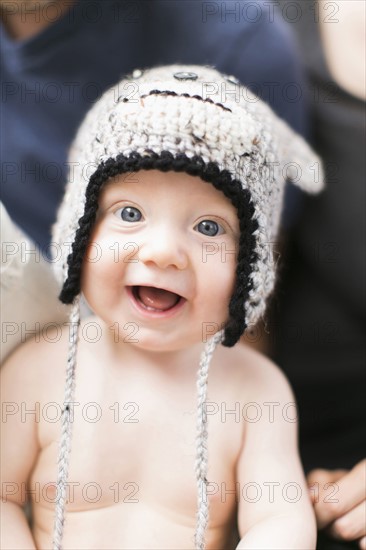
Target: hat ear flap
{"type": "Point", "coordinates": [300, 165]}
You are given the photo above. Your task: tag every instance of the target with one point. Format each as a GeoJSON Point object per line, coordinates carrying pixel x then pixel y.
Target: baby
{"type": "Point", "coordinates": [173, 202]}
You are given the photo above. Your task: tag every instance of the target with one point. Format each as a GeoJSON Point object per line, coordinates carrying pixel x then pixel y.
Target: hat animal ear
{"type": "Point", "coordinates": [298, 162]}
{"type": "Point", "coordinates": [300, 165]}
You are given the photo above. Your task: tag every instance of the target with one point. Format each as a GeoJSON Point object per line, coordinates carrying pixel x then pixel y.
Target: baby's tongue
{"type": "Point", "coordinates": [157, 298]}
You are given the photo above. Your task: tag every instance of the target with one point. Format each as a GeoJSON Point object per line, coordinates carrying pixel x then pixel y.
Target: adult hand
{"type": "Point", "coordinates": [339, 499]}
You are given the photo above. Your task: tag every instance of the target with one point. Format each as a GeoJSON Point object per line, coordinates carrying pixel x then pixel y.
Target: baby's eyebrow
{"type": "Point", "coordinates": [113, 182]}
{"type": "Point", "coordinates": [113, 185]}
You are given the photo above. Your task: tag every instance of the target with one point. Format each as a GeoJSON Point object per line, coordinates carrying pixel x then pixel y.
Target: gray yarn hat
{"type": "Point", "coordinates": [158, 118]}
{"type": "Point", "coordinates": [188, 119]}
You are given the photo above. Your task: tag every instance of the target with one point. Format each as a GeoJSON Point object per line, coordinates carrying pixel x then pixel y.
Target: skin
{"type": "Point", "coordinates": [344, 519]}
{"type": "Point", "coordinates": [342, 26]}
{"type": "Point", "coordinates": [171, 254]}
{"type": "Point", "coordinates": [24, 19]}
{"type": "Point", "coordinates": [151, 461]}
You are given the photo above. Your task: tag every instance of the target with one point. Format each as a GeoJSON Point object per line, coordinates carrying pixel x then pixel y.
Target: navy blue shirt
{"type": "Point", "coordinates": [50, 80]}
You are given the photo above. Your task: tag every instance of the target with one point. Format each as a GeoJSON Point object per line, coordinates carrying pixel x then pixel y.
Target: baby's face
{"type": "Point", "coordinates": [161, 260]}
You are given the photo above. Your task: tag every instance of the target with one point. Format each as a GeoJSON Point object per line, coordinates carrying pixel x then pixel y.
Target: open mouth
{"type": "Point", "coordinates": [155, 300]}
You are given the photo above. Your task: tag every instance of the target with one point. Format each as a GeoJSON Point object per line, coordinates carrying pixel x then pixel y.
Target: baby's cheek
{"type": "Point", "coordinates": [217, 287]}
{"type": "Point", "coordinates": [93, 253]}
{"type": "Point", "coordinates": [100, 267]}
{"type": "Point", "coordinates": [226, 284]}
{"type": "Point", "coordinates": [115, 249]}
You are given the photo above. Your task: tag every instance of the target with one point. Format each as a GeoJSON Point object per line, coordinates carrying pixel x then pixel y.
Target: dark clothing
{"type": "Point", "coordinates": [320, 308]}
{"type": "Point", "coordinates": [51, 80]}
{"type": "Point", "coordinates": [320, 321]}
{"type": "Point", "coordinates": [326, 543]}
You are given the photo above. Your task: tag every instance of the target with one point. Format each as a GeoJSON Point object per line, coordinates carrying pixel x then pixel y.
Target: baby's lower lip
{"type": "Point", "coordinates": [154, 313]}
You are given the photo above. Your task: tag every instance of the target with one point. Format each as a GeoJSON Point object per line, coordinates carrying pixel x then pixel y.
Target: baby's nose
{"type": "Point", "coordinates": [164, 247]}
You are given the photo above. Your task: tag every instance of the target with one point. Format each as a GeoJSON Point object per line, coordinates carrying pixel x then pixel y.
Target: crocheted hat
{"type": "Point", "coordinates": [187, 119]}
{"type": "Point", "coordinates": [192, 119]}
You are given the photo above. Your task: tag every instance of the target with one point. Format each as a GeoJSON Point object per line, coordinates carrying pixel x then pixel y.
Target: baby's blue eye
{"type": "Point", "coordinates": [209, 228]}
{"type": "Point", "coordinates": [129, 214]}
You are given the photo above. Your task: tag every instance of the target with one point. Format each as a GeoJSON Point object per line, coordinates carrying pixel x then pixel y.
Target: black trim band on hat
{"type": "Point", "coordinates": [195, 166]}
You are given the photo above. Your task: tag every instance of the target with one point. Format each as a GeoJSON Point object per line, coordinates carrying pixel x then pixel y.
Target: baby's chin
{"type": "Point", "coordinates": [157, 342]}
{"type": "Point", "coordinates": [175, 336]}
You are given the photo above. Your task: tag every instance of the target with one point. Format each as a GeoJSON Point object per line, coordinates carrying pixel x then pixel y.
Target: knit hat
{"type": "Point", "coordinates": [187, 119]}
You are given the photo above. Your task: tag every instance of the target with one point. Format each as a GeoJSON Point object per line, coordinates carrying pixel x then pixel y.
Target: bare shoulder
{"type": "Point", "coordinates": [254, 374]}
{"type": "Point", "coordinates": [36, 365]}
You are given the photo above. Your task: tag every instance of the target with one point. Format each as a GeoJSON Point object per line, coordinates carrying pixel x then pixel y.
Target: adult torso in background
{"type": "Point", "coordinates": [52, 78]}
{"type": "Point", "coordinates": [320, 319]}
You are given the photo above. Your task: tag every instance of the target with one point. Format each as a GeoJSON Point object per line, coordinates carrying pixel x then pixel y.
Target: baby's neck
{"type": "Point", "coordinates": [178, 363]}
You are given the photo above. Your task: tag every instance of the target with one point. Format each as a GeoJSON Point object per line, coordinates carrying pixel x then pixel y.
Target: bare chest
{"type": "Point", "coordinates": [134, 450]}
